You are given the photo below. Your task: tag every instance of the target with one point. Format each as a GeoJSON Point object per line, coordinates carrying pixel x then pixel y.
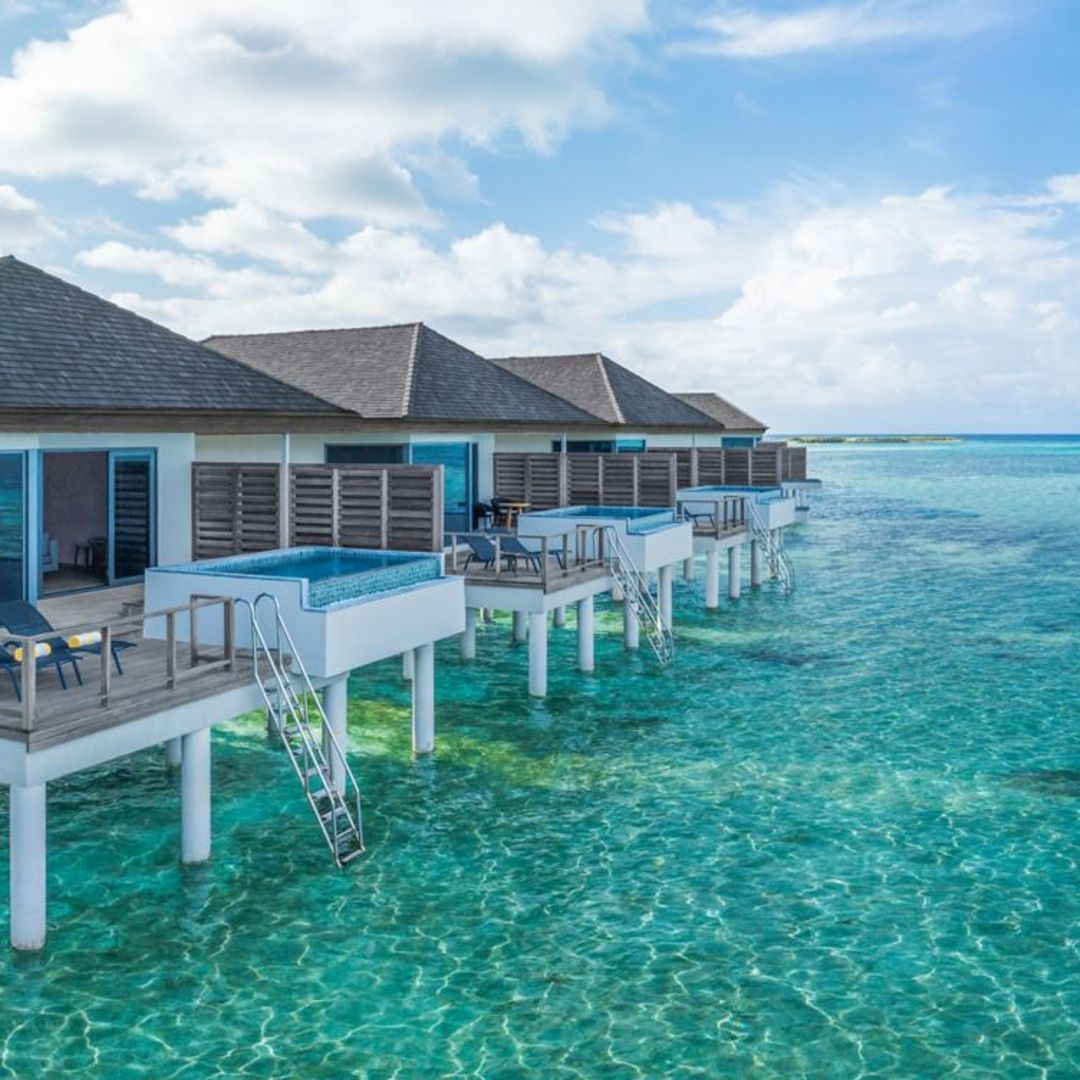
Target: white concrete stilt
{"type": "Point", "coordinates": [688, 569]}
{"type": "Point", "coordinates": [755, 564]}
{"type": "Point", "coordinates": [423, 701]}
{"type": "Point", "coordinates": [617, 593]}
{"type": "Point", "coordinates": [336, 706]}
{"type": "Point", "coordinates": [489, 616]}
{"type": "Point", "coordinates": [195, 797]}
{"type": "Point", "coordinates": [585, 645]}
{"type": "Point", "coordinates": [520, 624]}
{"type": "Point", "coordinates": [665, 581]}
{"type": "Point", "coordinates": [27, 854]}
{"type": "Point", "coordinates": [468, 639]}
{"type": "Point", "coordinates": [734, 571]}
{"type": "Point", "coordinates": [631, 628]}
{"type": "Point", "coordinates": [538, 648]}
{"type": "Point", "coordinates": [407, 665]}
{"type": "Point", "coordinates": [559, 617]}
{"type": "Point", "coordinates": [173, 753]}
{"type": "Point", "coordinates": [712, 579]}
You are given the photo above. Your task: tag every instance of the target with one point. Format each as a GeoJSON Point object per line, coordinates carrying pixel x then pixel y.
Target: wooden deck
{"type": "Point", "coordinates": [146, 687]}
{"type": "Point", "coordinates": [556, 579]}
{"type": "Point", "coordinates": [140, 692]}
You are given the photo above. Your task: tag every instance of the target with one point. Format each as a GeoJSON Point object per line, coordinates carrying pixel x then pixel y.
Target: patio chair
{"type": "Point", "coordinates": [483, 514]}
{"type": "Point", "coordinates": [699, 517]}
{"type": "Point", "coordinates": [13, 667]}
{"type": "Point", "coordinates": [21, 618]}
{"type": "Point", "coordinates": [514, 549]}
{"type": "Point", "coordinates": [481, 550]}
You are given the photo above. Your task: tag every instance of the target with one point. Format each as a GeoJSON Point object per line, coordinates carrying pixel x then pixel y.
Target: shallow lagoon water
{"type": "Point", "coordinates": [838, 838]}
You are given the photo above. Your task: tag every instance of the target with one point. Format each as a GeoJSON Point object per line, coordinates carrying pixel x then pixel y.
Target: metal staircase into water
{"type": "Point", "coordinates": [637, 595]}
{"type": "Point", "coordinates": [296, 714]}
{"type": "Point", "coordinates": [780, 565]}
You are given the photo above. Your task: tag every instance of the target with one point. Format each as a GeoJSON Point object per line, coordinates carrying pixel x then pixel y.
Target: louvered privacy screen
{"type": "Point", "coordinates": [237, 508]}
{"type": "Point", "coordinates": [546, 481]}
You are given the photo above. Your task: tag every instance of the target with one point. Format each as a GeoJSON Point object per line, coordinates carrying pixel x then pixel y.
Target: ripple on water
{"type": "Point", "coordinates": [839, 838]}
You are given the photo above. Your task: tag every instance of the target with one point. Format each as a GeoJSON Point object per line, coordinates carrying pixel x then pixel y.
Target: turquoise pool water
{"type": "Point", "coordinates": [839, 837]}
{"type": "Point", "coordinates": [333, 575]}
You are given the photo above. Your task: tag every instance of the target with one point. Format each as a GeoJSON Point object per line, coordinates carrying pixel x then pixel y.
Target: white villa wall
{"type": "Point", "coordinates": [175, 453]}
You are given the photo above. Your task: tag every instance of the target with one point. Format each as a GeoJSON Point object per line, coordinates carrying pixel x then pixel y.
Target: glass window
{"type": "Point", "coordinates": [739, 442]}
{"type": "Point", "coordinates": [366, 454]}
{"type": "Point", "coordinates": [584, 446]}
{"type": "Point", "coordinates": [132, 526]}
{"type": "Point", "coordinates": [458, 476]}
{"type": "Point", "coordinates": [629, 446]}
{"type": "Point", "coordinates": [12, 526]}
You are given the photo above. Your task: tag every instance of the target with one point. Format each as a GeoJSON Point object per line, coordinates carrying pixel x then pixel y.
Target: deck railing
{"type": "Point", "coordinates": [173, 670]}
{"type": "Point", "coordinates": [715, 517]}
{"type": "Point", "coordinates": [562, 557]}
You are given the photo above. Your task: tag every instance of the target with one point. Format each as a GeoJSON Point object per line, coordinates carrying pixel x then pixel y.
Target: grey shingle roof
{"type": "Point", "coordinates": [64, 348]}
{"type": "Point", "coordinates": [399, 372]}
{"type": "Point", "coordinates": [608, 390]}
{"type": "Point", "coordinates": [721, 410]}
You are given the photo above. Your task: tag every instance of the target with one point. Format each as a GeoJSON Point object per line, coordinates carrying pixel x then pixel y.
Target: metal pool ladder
{"type": "Point", "coordinates": [298, 717]}
{"type": "Point", "coordinates": [637, 595]}
{"type": "Point", "coordinates": [780, 564]}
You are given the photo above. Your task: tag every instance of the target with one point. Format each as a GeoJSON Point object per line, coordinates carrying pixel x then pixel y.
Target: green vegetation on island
{"type": "Point", "coordinates": [812, 440]}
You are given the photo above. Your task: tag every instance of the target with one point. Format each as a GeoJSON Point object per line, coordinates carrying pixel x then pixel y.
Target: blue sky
{"type": "Point", "coordinates": [843, 215]}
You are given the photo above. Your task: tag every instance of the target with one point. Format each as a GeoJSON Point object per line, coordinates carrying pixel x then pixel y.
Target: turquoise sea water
{"type": "Point", "coordinates": [838, 838]}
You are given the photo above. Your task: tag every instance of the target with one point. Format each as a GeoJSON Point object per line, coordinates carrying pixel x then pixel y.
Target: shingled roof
{"type": "Point", "coordinates": [607, 390]}
{"type": "Point", "coordinates": [407, 372]}
{"type": "Point", "coordinates": [64, 348]}
{"type": "Point", "coordinates": [723, 412]}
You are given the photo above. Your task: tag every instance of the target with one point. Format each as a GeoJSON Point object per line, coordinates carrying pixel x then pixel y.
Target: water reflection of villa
{"type": "Point", "coordinates": [300, 505]}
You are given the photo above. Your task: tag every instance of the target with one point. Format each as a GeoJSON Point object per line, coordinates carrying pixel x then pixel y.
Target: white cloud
{"type": "Point", "coordinates": [23, 224]}
{"type": "Point", "coordinates": [308, 110]}
{"type": "Point", "coordinates": [929, 307]}
{"type": "Point", "coordinates": [745, 33]}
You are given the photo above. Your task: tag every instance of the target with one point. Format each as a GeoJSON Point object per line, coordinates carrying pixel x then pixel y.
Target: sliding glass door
{"type": "Point", "coordinates": [12, 526]}
{"type": "Point", "coordinates": [459, 471]}
{"type": "Point", "coordinates": [132, 543]}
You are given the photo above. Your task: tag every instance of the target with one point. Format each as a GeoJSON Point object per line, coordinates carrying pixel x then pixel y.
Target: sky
{"type": "Point", "coordinates": [845, 215]}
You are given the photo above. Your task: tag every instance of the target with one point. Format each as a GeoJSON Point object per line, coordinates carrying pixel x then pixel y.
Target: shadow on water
{"type": "Point", "coordinates": [1064, 783]}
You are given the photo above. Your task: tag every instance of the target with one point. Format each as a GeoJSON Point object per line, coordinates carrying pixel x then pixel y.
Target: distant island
{"type": "Point", "coordinates": [874, 439]}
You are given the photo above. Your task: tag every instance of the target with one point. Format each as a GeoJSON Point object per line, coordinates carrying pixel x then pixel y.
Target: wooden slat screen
{"type": "Point", "coordinates": [711, 469]}
{"type": "Point", "coordinates": [794, 463]}
{"type": "Point", "coordinates": [736, 467]}
{"type": "Point", "coordinates": [234, 509]}
{"type": "Point", "coordinates": [546, 481]}
{"type": "Point", "coordinates": [766, 463]}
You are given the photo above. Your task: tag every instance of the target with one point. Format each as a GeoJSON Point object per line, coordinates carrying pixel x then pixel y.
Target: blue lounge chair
{"type": "Point", "coordinates": [514, 550]}
{"type": "Point", "coordinates": [14, 667]}
{"type": "Point", "coordinates": [698, 517]}
{"type": "Point", "coordinates": [23, 619]}
{"type": "Point", "coordinates": [481, 550]}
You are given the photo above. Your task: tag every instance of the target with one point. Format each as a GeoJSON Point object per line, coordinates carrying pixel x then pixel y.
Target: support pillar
{"type": "Point", "coordinates": [423, 701]}
{"type": "Point", "coordinates": [734, 571]}
{"type": "Point", "coordinates": [585, 650]}
{"type": "Point", "coordinates": [755, 564]}
{"type": "Point", "coordinates": [538, 647]}
{"type": "Point", "coordinates": [559, 618]}
{"type": "Point", "coordinates": [617, 596]}
{"type": "Point", "coordinates": [468, 639]}
{"type": "Point", "coordinates": [27, 858]}
{"type": "Point", "coordinates": [712, 579]}
{"type": "Point", "coordinates": [665, 581]}
{"type": "Point", "coordinates": [407, 665]}
{"type": "Point", "coordinates": [173, 753]}
{"type": "Point", "coordinates": [489, 616]}
{"type": "Point", "coordinates": [336, 706]}
{"type": "Point", "coordinates": [195, 797]}
{"type": "Point", "coordinates": [688, 569]}
{"type": "Point", "coordinates": [520, 625]}
{"type": "Point", "coordinates": [631, 628]}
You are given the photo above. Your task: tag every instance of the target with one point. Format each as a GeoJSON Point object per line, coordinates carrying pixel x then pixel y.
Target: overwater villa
{"type": "Point", "coordinates": [191, 531]}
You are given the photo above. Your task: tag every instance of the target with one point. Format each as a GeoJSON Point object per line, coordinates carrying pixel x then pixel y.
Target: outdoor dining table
{"type": "Point", "coordinates": [513, 511]}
